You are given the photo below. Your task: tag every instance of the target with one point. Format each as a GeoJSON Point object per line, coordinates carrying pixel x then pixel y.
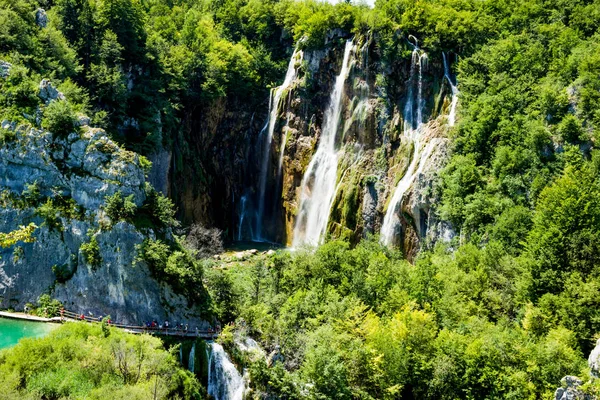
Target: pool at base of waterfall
{"type": "Point", "coordinates": [12, 330]}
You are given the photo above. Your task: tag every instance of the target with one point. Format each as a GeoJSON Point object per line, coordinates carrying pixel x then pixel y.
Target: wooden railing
{"type": "Point", "coordinates": [170, 331]}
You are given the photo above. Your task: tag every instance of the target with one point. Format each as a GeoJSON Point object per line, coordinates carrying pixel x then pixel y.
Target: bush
{"type": "Point", "coordinates": [161, 209]}
{"type": "Point", "coordinates": [118, 208]}
{"type": "Point", "coordinates": [91, 252]}
{"type": "Point", "coordinates": [48, 307]}
{"type": "Point", "coordinates": [60, 118]}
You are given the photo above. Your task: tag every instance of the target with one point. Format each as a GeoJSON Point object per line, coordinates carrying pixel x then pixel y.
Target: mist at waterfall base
{"type": "Point", "coordinates": [224, 380]}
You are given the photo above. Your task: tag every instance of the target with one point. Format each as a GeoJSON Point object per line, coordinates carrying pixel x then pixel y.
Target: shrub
{"type": "Point", "coordinates": [7, 136]}
{"type": "Point", "coordinates": [48, 307]}
{"type": "Point", "coordinates": [91, 252]}
{"type": "Point", "coordinates": [60, 118]}
{"type": "Point", "coordinates": [161, 209]}
{"type": "Point", "coordinates": [23, 234]}
{"type": "Point", "coordinates": [51, 216]}
{"type": "Point", "coordinates": [119, 208]}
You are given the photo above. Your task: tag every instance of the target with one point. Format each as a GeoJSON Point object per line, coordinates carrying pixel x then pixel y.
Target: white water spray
{"type": "Point", "coordinates": [224, 380]}
{"type": "Point", "coordinates": [319, 181]}
{"type": "Point", "coordinates": [413, 131]}
{"type": "Point", "coordinates": [269, 129]}
{"type": "Point", "coordinates": [454, 88]}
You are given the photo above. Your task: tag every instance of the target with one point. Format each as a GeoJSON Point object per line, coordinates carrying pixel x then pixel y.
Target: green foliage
{"type": "Point", "coordinates": [63, 272]}
{"type": "Point", "coordinates": [79, 360]}
{"type": "Point", "coordinates": [174, 265]}
{"type": "Point", "coordinates": [119, 208]}
{"type": "Point", "coordinates": [60, 118]}
{"type": "Point", "coordinates": [23, 234]}
{"type": "Point", "coordinates": [361, 322]}
{"type": "Point", "coordinates": [91, 252]}
{"type": "Point", "coordinates": [47, 306]}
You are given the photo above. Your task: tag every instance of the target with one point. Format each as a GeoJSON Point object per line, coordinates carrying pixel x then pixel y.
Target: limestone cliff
{"type": "Point", "coordinates": [373, 155]}
{"type": "Point", "coordinates": [60, 184]}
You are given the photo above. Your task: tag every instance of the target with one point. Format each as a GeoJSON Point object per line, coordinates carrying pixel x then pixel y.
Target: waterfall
{"type": "Point", "coordinates": [413, 131]}
{"type": "Point", "coordinates": [224, 380]}
{"type": "Point", "coordinates": [454, 88]}
{"type": "Point", "coordinates": [192, 358]}
{"type": "Point", "coordinates": [244, 219]}
{"type": "Point", "coordinates": [269, 129]}
{"type": "Point", "coordinates": [318, 183]}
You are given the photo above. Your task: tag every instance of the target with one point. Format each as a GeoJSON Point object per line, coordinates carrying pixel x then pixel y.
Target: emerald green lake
{"type": "Point", "coordinates": [11, 330]}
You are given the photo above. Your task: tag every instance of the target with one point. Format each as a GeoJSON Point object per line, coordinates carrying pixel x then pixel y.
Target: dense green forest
{"type": "Point", "coordinates": [505, 310]}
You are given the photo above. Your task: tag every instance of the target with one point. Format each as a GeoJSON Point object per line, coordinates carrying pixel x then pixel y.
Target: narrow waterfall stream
{"type": "Point", "coordinates": [224, 380]}
{"type": "Point", "coordinates": [413, 131]}
{"type": "Point", "coordinates": [454, 88]}
{"type": "Point", "coordinates": [319, 181]}
{"type": "Point", "coordinates": [268, 130]}
{"type": "Point", "coordinates": [244, 220]}
{"type": "Point", "coordinates": [192, 359]}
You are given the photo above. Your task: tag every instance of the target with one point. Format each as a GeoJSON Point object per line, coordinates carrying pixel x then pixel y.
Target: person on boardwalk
{"type": "Point", "coordinates": [62, 313]}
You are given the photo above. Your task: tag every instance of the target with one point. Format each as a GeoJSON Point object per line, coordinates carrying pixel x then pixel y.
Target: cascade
{"type": "Point", "coordinates": [192, 358]}
{"type": "Point", "coordinates": [319, 181]}
{"type": "Point", "coordinates": [454, 88]}
{"type": "Point", "coordinates": [224, 380]}
{"type": "Point", "coordinates": [413, 131]}
{"type": "Point", "coordinates": [268, 130]}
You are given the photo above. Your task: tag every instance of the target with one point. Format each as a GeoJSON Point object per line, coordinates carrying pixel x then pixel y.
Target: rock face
{"type": "Point", "coordinates": [213, 171]}
{"type": "Point", "coordinates": [81, 169]}
{"type": "Point", "coordinates": [594, 360]}
{"type": "Point", "coordinates": [4, 69]}
{"type": "Point", "coordinates": [48, 92]}
{"type": "Point", "coordinates": [41, 18]}
{"type": "Point", "coordinates": [373, 153]}
{"type": "Point", "coordinates": [570, 390]}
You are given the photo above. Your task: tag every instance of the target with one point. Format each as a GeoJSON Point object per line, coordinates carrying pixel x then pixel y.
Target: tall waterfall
{"type": "Point", "coordinates": [318, 183]}
{"type": "Point", "coordinates": [454, 88]}
{"type": "Point", "coordinates": [413, 131]}
{"type": "Point", "coordinates": [269, 129]}
{"type": "Point", "coordinates": [224, 380]}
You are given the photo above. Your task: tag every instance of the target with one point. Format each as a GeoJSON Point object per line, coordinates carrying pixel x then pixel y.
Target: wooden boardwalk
{"type": "Point", "coordinates": [138, 330]}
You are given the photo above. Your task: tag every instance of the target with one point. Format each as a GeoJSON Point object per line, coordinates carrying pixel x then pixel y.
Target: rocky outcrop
{"type": "Point", "coordinates": [41, 18]}
{"type": "Point", "coordinates": [72, 176]}
{"type": "Point", "coordinates": [48, 92]}
{"type": "Point", "coordinates": [570, 390]}
{"type": "Point", "coordinates": [5, 69]}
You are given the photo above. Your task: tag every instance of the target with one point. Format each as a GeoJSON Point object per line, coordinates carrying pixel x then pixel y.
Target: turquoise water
{"type": "Point", "coordinates": [11, 330]}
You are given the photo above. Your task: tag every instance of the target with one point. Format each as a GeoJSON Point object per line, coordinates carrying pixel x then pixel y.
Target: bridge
{"type": "Point", "coordinates": [182, 332]}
